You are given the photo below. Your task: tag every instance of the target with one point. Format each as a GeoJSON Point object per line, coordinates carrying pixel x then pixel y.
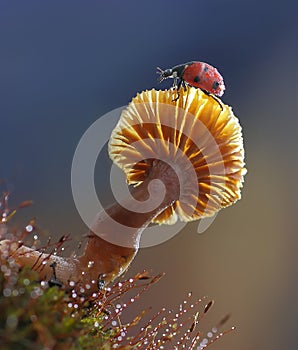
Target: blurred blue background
{"type": "Point", "coordinates": [65, 63]}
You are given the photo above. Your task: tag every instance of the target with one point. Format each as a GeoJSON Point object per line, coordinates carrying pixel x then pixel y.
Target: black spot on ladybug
{"type": "Point", "coordinates": [215, 85]}
{"type": "Point", "coordinates": [206, 69]}
{"type": "Point", "coordinates": [196, 79]}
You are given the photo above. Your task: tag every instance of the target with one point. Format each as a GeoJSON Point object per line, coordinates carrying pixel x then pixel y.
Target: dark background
{"type": "Point", "coordinates": [65, 63]}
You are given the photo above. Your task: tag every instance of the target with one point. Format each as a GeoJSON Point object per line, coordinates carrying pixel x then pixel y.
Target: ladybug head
{"type": "Point", "coordinates": [164, 74]}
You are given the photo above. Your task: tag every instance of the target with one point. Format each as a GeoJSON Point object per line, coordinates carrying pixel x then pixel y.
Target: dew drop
{"type": "Point", "coordinates": [33, 318]}
{"type": "Point", "coordinates": [7, 292]}
{"type": "Point", "coordinates": [12, 321]}
{"type": "Point", "coordinates": [26, 282]}
{"type": "Point", "coordinates": [90, 264]}
{"type": "Point", "coordinates": [29, 228]}
{"type": "Point", "coordinates": [15, 292]}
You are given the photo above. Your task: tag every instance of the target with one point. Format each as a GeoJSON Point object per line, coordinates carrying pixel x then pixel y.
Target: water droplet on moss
{"type": "Point", "coordinates": [15, 292]}
{"type": "Point", "coordinates": [26, 282]}
{"type": "Point", "coordinates": [90, 264]}
{"type": "Point", "coordinates": [29, 228]}
{"type": "Point", "coordinates": [7, 292]}
{"type": "Point", "coordinates": [12, 321]}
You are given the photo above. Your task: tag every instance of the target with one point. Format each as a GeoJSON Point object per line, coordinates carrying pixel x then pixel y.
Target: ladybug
{"type": "Point", "coordinates": [197, 74]}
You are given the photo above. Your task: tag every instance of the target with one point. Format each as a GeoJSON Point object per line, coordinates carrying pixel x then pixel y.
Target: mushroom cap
{"type": "Point", "coordinates": [197, 135]}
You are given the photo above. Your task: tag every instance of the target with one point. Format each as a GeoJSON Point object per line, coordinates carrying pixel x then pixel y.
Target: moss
{"type": "Point", "coordinates": [36, 315]}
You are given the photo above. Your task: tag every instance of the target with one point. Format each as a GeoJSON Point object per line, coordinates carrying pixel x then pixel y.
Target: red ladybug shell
{"type": "Point", "coordinates": [202, 75]}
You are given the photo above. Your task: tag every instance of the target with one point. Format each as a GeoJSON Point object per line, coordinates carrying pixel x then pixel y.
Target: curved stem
{"type": "Point", "coordinates": [102, 259]}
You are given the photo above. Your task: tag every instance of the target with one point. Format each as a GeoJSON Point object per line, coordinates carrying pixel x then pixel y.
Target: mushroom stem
{"type": "Point", "coordinates": [102, 259]}
{"type": "Point", "coordinates": [109, 259]}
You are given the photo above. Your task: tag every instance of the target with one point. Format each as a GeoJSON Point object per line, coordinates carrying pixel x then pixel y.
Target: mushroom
{"type": "Point", "coordinates": [184, 160]}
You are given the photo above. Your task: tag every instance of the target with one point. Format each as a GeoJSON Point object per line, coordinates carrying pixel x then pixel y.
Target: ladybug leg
{"type": "Point", "coordinates": [175, 83]}
{"type": "Point", "coordinates": [214, 98]}
{"type": "Point", "coordinates": [178, 86]}
{"type": "Point", "coordinates": [181, 82]}
{"type": "Point", "coordinates": [177, 97]}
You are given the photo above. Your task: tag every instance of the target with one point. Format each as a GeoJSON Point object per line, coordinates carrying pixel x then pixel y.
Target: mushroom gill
{"type": "Point", "coordinates": [196, 135]}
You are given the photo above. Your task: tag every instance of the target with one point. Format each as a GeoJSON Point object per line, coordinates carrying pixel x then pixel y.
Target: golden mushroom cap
{"type": "Point", "coordinates": [197, 135]}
